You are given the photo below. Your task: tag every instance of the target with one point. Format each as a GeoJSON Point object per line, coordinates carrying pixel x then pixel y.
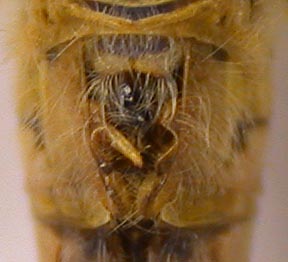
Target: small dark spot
{"type": "Point", "coordinates": [45, 14]}
{"type": "Point", "coordinates": [222, 20]}
{"type": "Point", "coordinates": [105, 167]}
{"type": "Point", "coordinates": [33, 123]}
{"type": "Point", "coordinates": [56, 51]}
{"type": "Point", "coordinates": [52, 54]}
{"type": "Point", "coordinates": [253, 3]}
{"type": "Point", "coordinates": [211, 51]}
{"type": "Point", "coordinates": [240, 140]}
{"type": "Point", "coordinates": [135, 241]}
{"type": "Point", "coordinates": [220, 54]}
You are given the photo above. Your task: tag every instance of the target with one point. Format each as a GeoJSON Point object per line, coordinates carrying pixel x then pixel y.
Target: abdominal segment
{"type": "Point", "coordinates": [130, 108]}
{"type": "Point", "coordinates": [148, 121]}
{"type": "Point", "coordinates": [143, 145]}
{"type": "Point", "coordinates": [132, 12]}
{"type": "Point", "coordinates": [150, 133]}
{"type": "Point", "coordinates": [148, 243]}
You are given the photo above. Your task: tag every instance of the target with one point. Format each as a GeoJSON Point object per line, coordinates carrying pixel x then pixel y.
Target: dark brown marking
{"type": "Point", "coordinates": [220, 54]}
{"type": "Point", "coordinates": [33, 123]}
{"type": "Point", "coordinates": [55, 52]}
{"type": "Point", "coordinates": [253, 3]}
{"type": "Point", "coordinates": [132, 243]}
{"type": "Point", "coordinates": [243, 128]}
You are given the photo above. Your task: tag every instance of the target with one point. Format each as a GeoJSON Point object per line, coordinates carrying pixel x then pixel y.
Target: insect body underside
{"type": "Point", "coordinates": [142, 124]}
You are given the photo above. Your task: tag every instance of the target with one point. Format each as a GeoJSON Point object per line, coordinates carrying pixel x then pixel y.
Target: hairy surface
{"type": "Point", "coordinates": [142, 125]}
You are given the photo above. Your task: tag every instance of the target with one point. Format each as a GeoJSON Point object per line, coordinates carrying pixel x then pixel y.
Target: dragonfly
{"type": "Point", "coordinates": [143, 124]}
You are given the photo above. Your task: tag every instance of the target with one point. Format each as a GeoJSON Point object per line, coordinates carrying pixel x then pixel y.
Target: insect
{"type": "Point", "coordinates": [142, 124]}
